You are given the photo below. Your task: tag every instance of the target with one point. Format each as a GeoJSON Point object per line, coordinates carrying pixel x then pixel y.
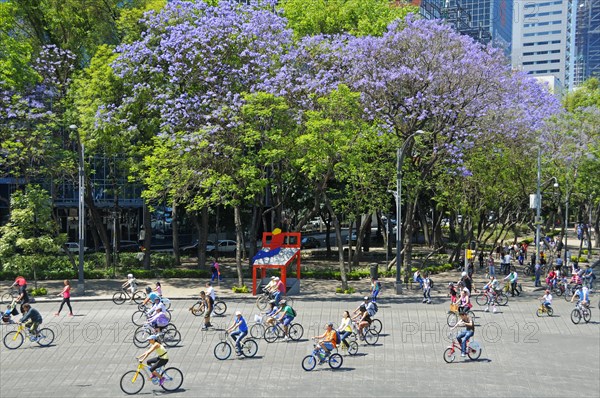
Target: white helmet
{"type": "Point", "coordinates": [129, 276]}
{"type": "Point", "coordinates": [463, 274]}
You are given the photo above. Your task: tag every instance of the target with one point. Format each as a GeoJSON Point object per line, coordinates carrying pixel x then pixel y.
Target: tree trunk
{"type": "Point", "coordinates": [175, 226]}
{"type": "Point", "coordinates": [97, 223]}
{"type": "Point", "coordinates": [237, 216]}
{"type": "Point", "coordinates": [147, 236]}
{"type": "Point", "coordinates": [338, 234]}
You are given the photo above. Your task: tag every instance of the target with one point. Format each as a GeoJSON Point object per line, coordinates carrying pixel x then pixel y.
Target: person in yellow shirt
{"type": "Point", "coordinates": [327, 340]}
{"type": "Point", "coordinates": [155, 363]}
{"type": "Point", "coordinates": [345, 328]}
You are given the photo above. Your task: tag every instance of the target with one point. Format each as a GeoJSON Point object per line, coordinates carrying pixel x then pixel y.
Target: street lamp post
{"type": "Point", "coordinates": [399, 160]}
{"type": "Point", "coordinates": [538, 205]}
{"type": "Point", "coordinates": [81, 214]}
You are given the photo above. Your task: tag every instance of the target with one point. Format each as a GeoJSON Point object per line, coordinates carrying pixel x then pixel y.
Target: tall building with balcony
{"type": "Point", "coordinates": [484, 20]}
{"type": "Point", "coordinates": [544, 39]}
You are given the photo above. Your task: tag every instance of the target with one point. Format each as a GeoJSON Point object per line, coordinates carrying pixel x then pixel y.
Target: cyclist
{"type": "Point", "coordinates": [327, 341]}
{"type": "Point", "coordinates": [464, 303]}
{"type": "Point", "coordinates": [150, 296]}
{"type": "Point", "coordinates": [363, 319]}
{"type": "Point", "coordinates": [513, 278]}
{"type": "Point", "coordinates": [158, 289]}
{"type": "Point", "coordinates": [10, 310]}
{"type": "Point", "coordinates": [345, 328]}
{"type": "Point", "coordinates": [491, 287]}
{"type": "Point", "coordinates": [23, 296]}
{"type": "Point", "coordinates": [584, 296]}
{"type": "Point", "coordinates": [279, 290]}
{"type": "Point", "coordinates": [242, 331]}
{"type": "Point", "coordinates": [156, 305]}
{"type": "Point", "coordinates": [157, 362]}
{"type": "Point", "coordinates": [31, 319]}
{"type": "Point", "coordinates": [287, 316]}
{"type": "Point", "coordinates": [464, 336]}
{"type": "Point", "coordinates": [588, 275]}
{"type": "Point", "coordinates": [270, 288]}
{"type": "Point", "coordinates": [551, 279]}
{"type": "Point", "coordinates": [159, 320]}
{"type": "Point", "coordinates": [547, 299]}
{"type": "Point", "coordinates": [131, 284]}
{"type": "Point", "coordinates": [452, 292]}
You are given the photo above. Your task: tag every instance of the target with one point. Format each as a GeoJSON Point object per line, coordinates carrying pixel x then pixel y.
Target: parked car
{"type": "Point", "coordinates": [353, 237]}
{"type": "Point", "coordinates": [193, 248]}
{"type": "Point", "coordinates": [222, 246]}
{"type": "Point", "coordinates": [309, 242]}
{"type": "Point", "coordinates": [73, 247]}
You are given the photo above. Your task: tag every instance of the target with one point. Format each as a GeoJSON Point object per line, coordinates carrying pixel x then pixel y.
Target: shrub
{"type": "Point", "coordinates": [350, 290]}
{"type": "Point", "coordinates": [40, 291]}
{"type": "Point", "coordinates": [184, 273]}
{"type": "Point", "coordinates": [240, 289]}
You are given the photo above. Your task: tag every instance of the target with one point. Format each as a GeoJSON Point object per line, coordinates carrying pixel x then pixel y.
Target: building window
{"type": "Point", "coordinates": [554, 61]}
{"type": "Point", "coordinates": [528, 44]}
{"type": "Point", "coordinates": [554, 70]}
{"type": "Point", "coordinates": [528, 54]}
{"type": "Point", "coordinates": [542, 62]}
{"type": "Point", "coordinates": [528, 63]}
{"type": "Point", "coordinates": [552, 42]}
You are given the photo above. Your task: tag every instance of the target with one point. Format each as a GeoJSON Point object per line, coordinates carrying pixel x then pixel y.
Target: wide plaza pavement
{"type": "Point", "coordinates": [523, 355]}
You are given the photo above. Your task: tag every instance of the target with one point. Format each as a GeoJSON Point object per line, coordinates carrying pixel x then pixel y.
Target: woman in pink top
{"type": "Point", "coordinates": [66, 295]}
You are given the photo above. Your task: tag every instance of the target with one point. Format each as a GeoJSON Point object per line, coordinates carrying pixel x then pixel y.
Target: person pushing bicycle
{"type": "Point", "coordinates": [157, 362]}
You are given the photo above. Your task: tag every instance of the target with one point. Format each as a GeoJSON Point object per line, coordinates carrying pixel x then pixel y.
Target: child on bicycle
{"type": "Point", "coordinates": [157, 362]}
{"type": "Point", "coordinates": [11, 309]}
{"type": "Point", "coordinates": [547, 299]}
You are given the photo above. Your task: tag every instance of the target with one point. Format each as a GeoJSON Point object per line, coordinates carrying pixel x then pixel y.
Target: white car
{"type": "Point", "coordinates": [73, 247]}
{"type": "Point", "coordinates": [223, 246]}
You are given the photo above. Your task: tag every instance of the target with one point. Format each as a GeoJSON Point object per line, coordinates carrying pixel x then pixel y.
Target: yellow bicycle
{"type": "Point", "coordinates": [133, 381]}
{"type": "Point", "coordinates": [13, 340]}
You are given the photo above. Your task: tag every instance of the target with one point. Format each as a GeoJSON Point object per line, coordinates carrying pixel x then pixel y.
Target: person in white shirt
{"type": "Point", "coordinates": [427, 289]}
{"type": "Point", "coordinates": [547, 299]}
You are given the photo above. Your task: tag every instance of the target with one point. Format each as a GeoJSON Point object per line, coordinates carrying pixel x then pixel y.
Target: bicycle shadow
{"type": "Point", "coordinates": [164, 392]}
{"type": "Point", "coordinates": [480, 360]}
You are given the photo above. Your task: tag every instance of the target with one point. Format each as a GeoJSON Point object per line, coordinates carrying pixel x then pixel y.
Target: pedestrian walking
{"type": "Point", "coordinates": [427, 289]}
{"type": "Point", "coordinates": [481, 259]}
{"type": "Point", "coordinates": [491, 267]}
{"type": "Point", "coordinates": [66, 295]}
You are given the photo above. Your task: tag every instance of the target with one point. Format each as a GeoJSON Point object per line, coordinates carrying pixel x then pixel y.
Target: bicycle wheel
{"type": "Point", "coordinates": [132, 382]}
{"type": "Point", "coordinates": [309, 362]}
{"type": "Point", "coordinates": [481, 299]}
{"type": "Point", "coordinates": [249, 348]}
{"type": "Point", "coordinates": [335, 361]}
{"type": "Point", "coordinates": [371, 337]}
{"type": "Point", "coordinates": [452, 319]}
{"type": "Point", "coordinates": [376, 325]}
{"type": "Point", "coordinates": [575, 316]}
{"type": "Point", "coordinates": [219, 308]}
{"type": "Point", "coordinates": [139, 337]}
{"type": "Point", "coordinates": [474, 351]}
{"type": "Point", "coordinates": [172, 337]}
{"type": "Point", "coordinates": [502, 299]}
{"type": "Point", "coordinates": [353, 348]}
{"type": "Point", "coordinates": [550, 311]}
{"type": "Point", "coordinates": [539, 312]}
{"type": "Point", "coordinates": [6, 298]}
{"type": "Point", "coordinates": [222, 350]}
{"type": "Point", "coordinates": [139, 318]}
{"type": "Point", "coordinates": [139, 297]}
{"type": "Point", "coordinates": [262, 302]}
{"type": "Point", "coordinates": [168, 315]}
{"type": "Point", "coordinates": [13, 340]}
{"type": "Point", "coordinates": [257, 331]}
{"type": "Point", "coordinates": [271, 334]}
{"type": "Point", "coordinates": [296, 331]}
{"type": "Point", "coordinates": [587, 315]}
{"type": "Point", "coordinates": [46, 337]}
{"type": "Point", "coordinates": [471, 314]}
{"type": "Point", "coordinates": [119, 298]}
{"type": "Point", "coordinates": [197, 309]}
{"type": "Point", "coordinates": [449, 355]}
{"type": "Point", "coordinates": [173, 379]}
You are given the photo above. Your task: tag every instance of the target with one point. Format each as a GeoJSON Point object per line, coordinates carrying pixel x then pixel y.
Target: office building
{"type": "Point", "coordinates": [587, 41]}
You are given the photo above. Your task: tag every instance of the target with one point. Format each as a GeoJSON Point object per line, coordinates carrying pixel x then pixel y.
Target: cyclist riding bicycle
{"type": "Point", "coordinates": [131, 284]}
{"type": "Point", "coordinates": [11, 309]}
{"type": "Point", "coordinates": [584, 296]}
{"type": "Point", "coordinates": [151, 296]}
{"type": "Point", "coordinates": [157, 303]}
{"type": "Point", "coordinates": [547, 299]}
{"type": "Point", "coordinates": [490, 288]}
{"type": "Point", "coordinates": [345, 328]}
{"type": "Point", "coordinates": [464, 303]}
{"type": "Point", "coordinates": [157, 362]}
{"type": "Point", "coordinates": [327, 341]}
{"type": "Point", "coordinates": [287, 316]}
{"type": "Point", "coordinates": [242, 331]}
{"type": "Point", "coordinates": [363, 320]}
{"type": "Point", "coordinates": [159, 320]}
{"type": "Point", "coordinates": [464, 336]}
{"type": "Point", "coordinates": [452, 292]}
{"type": "Point", "coordinates": [31, 319]}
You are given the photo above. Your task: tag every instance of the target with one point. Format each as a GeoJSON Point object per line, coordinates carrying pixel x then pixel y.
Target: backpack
{"type": "Point", "coordinates": [430, 283]}
{"type": "Point", "coordinates": [338, 338]}
{"type": "Point", "coordinates": [293, 312]}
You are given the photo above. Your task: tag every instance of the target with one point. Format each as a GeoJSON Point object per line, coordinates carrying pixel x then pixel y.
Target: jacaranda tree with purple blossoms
{"type": "Point", "coordinates": [189, 72]}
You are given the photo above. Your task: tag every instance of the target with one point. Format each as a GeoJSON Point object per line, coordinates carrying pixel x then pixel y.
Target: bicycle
{"type": "Point", "coordinates": [369, 334]}
{"type": "Point", "coordinates": [544, 310]}
{"type": "Point", "coordinates": [257, 330]}
{"type": "Point", "coordinates": [140, 317]}
{"type": "Point", "coordinates": [133, 381]}
{"type": "Point", "coordinates": [581, 311]}
{"type": "Point", "coordinates": [557, 289]}
{"type": "Point", "coordinates": [499, 297]}
{"type": "Point", "coordinates": [14, 339]}
{"type": "Point", "coordinates": [8, 297]}
{"type": "Point", "coordinates": [169, 335]}
{"type": "Point", "coordinates": [223, 349]}
{"type": "Point", "coordinates": [166, 302]}
{"type": "Point", "coordinates": [473, 349]}
{"type": "Point", "coordinates": [570, 291]}
{"type": "Point", "coordinates": [123, 295]}
{"type": "Point", "coordinates": [276, 331]}
{"type": "Point", "coordinates": [263, 300]}
{"type": "Point", "coordinates": [352, 347]}
{"type": "Point", "coordinates": [507, 288]}
{"type": "Point", "coordinates": [319, 357]}
{"type": "Point", "coordinates": [219, 307]}
{"type": "Point", "coordinates": [452, 319]}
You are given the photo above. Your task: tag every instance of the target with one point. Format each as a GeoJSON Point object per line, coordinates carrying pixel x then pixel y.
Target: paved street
{"type": "Point", "coordinates": [522, 355]}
